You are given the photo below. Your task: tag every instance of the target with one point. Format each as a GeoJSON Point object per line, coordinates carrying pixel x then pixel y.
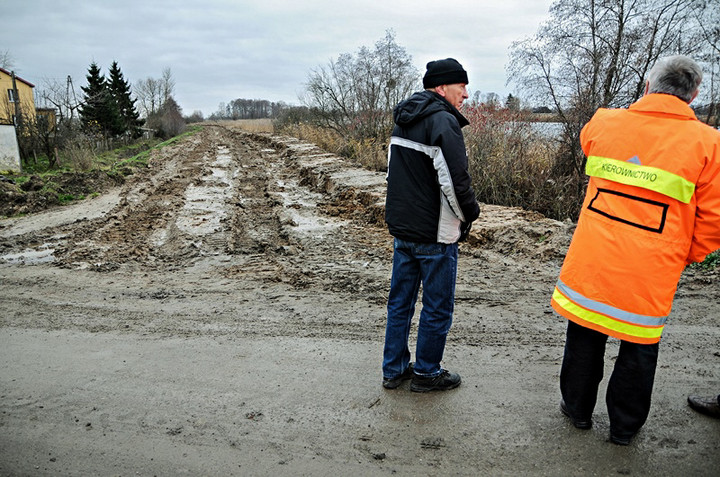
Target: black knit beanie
{"type": "Point", "coordinates": [447, 71]}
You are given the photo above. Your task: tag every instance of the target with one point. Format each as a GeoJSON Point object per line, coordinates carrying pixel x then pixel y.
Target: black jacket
{"type": "Point", "coordinates": [430, 198]}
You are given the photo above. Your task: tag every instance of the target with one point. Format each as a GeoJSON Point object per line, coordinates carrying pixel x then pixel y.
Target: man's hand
{"type": "Point", "coordinates": [464, 231]}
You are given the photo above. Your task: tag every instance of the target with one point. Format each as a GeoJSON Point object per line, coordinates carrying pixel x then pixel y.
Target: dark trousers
{"type": "Point", "coordinates": [629, 389]}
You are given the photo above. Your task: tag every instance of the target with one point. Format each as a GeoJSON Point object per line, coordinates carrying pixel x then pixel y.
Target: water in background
{"type": "Point", "coordinates": [549, 130]}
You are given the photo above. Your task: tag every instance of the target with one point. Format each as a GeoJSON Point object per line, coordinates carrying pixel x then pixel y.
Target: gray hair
{"type": "Point", "coordinates": [676, 75]}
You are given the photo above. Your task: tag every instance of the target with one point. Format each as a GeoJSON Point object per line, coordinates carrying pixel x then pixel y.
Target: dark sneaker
{"type": "Point", "coordinates": [442, 382]}
{"type": "Point", "coordinates": [707, 405]}
{"type": "Point", "coordinates": [392, 383]}
{"type": "Point", "coordinates": [620, 440]}
{"type": "Point", "coordinates": [578, 423]}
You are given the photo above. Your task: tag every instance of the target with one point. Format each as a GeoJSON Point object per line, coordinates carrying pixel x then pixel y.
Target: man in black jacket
{"type": "Point", "coordinates": [429, 208]}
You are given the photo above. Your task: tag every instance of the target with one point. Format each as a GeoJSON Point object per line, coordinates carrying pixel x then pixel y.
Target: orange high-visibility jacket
{"type": "Point", "coordinates": [652, 206]}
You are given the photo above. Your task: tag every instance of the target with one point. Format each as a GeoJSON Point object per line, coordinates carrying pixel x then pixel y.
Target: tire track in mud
{"type": "Point", "coordinates": [229, 231]}
{"type": "Point", "coordinates": [266, 212]}
{"type": "Point", "coordinates": [272, 209]}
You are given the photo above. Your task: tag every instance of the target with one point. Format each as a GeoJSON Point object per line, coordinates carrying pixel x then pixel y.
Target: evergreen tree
{"type": "Point", "coordinates": [512, 103]}
{"type": "Point", "coordinates": [120, 91]}
{"type": "Point", "coordinates": [99, 111]}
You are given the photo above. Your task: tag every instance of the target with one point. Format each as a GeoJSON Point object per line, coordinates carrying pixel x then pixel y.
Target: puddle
{"type": "Point", "coordinates": [31, 257]}
{"type": "Point", "coordinates": [299, 205]}
{"type": "Point", "coordinates": [204, 210]}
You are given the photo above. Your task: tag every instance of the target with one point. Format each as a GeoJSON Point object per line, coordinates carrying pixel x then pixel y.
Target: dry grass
{"type": "Point", "coordinates": [80, 156]}
{"type": "Point", "coordinates": [254, 125]}
{"type": "Point", "coordinates": [326, 139]}
{"type": "Point", "coordinates": [513, 165]}
{"type": "Point", "coordinates": [368, 153]}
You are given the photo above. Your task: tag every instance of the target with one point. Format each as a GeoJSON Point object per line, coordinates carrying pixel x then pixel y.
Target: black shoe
{"type": "Point", "coordinates": [579, 423]}
{"type": "Point", "coordinates": [621, 441]}
{"type": "Point", "coordinates": [705, 405]}
{"type": "Point", "coordinates": [442, 382]}
{"type": "Point", "coordinates": [392, 383]}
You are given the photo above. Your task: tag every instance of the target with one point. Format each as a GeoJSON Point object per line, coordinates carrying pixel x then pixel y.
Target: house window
{"type": "Point", "coordinates": [12, 97]}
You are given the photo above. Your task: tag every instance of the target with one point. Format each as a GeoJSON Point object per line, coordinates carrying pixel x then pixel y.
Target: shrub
{"type": "Point", "coordinates": [512, 163]}
{"type": "Point", "coordinates": [711, 262]}
{"type": "Point", "coordinates": [168, 121]}
{"type": "Point", "coordinates": [79, 156]}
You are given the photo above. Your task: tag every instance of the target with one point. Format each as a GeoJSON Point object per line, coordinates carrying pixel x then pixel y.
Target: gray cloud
{"type": "Point", "coordinates": [219, 50]}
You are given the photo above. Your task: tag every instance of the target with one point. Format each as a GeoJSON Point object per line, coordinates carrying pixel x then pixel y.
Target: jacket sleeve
{"type": "Point", "coordinates": [706, 234]}
{"type": "Point", "coordinates": [448, 136]}
{"type": "Point", "coordinates": [588, 131]}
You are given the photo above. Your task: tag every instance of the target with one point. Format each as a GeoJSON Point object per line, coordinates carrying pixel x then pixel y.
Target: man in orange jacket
{"type": "Point", "coordinates": [652, 206]}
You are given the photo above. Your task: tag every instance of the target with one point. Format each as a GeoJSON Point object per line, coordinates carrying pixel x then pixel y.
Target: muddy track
{"type": "Point", "coordinates": [261, 210]}
{"type": "Point", "coordinates": [268, 209]}
{"type": "Point", "coordinates": [229, 301]}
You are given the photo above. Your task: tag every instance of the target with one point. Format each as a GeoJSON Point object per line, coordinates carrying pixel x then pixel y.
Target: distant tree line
{"type": "Point", "coordinates": [249, 109]}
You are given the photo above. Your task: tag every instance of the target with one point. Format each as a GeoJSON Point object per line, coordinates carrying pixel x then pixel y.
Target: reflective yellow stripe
{"type": "Point", "coordinates": [651, 178]}
{"type": "Point", "coordinates": [604, 321]}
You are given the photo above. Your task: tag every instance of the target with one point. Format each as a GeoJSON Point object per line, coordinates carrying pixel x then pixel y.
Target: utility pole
{"type": "Point", "coordinates": [16, 94]}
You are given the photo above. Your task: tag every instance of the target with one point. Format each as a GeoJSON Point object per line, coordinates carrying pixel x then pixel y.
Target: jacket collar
{"type": "Point", "coordinates": [663, 104]}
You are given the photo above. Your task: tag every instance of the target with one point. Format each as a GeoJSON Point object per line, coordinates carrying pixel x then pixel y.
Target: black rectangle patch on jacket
{"type": "Point", "coordinates": [636, 211]}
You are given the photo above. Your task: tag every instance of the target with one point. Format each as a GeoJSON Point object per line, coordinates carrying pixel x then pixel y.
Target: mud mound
{"type": "Point", "coordinates": [40, 193]}
{"type": "Point", "coordinates": [514, 231]}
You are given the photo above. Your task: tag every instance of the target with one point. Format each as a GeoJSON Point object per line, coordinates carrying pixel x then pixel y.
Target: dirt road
{"type": "Point", "coordinates": [223, 314]}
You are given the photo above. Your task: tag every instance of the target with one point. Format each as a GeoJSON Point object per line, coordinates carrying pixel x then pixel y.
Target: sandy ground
{"type": "Point", "coordinates": [223, 314]}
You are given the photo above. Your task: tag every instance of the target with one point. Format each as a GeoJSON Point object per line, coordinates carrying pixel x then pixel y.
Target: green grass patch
{"type": "Point", "coordinates": [81, 174]}
{"type": "Point", "coordinates": [20, 180]}
{"type": "Point", "coordinates": [141, 159]}
{"type": "Point", "coordinates": [64, 199]}
{"type": "Point", "coordinates": [711, 262]}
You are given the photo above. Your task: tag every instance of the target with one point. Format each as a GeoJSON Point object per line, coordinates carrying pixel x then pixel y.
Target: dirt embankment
{"type": "Point", "coordinates": [222, 313]}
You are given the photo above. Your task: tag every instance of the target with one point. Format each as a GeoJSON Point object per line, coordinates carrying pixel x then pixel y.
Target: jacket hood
{"type": "Point", "coordinates": [421, 105]}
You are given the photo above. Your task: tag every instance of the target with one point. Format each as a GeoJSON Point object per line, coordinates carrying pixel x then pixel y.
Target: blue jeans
{"type": "Point", "coordinates": [434, 265]}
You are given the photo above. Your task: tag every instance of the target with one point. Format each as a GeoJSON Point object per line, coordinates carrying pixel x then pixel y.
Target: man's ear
{"type": "Point", "coordinates": [440, 90]}
{"type": "Point", "coordinates": [697, 90]}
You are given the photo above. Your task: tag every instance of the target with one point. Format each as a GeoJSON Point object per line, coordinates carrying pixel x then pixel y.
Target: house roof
{"type": "Point", "coordinates": [3, 70]}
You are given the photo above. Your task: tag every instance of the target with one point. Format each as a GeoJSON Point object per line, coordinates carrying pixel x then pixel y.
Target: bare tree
{"type": "Point", "coordinates": [707, 17]}
{"type": "Point", "coordinates": [62, 97]}
{"type": "Point", "coordinates": [597, 53]}
{"type": "Point", "coordinates": [151, 93]}
{"type": "Point", "coordinates": [355, 94]}
{"type": "Point", "coordinates": [6, 60]}
{"type": "Point", "coordinates": [167, 84]}
{"type": "Point", "coordinates": [149, 96]}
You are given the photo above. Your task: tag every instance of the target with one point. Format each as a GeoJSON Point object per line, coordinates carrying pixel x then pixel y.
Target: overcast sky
{"type": "Point", "coordinates": [220, 50]}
